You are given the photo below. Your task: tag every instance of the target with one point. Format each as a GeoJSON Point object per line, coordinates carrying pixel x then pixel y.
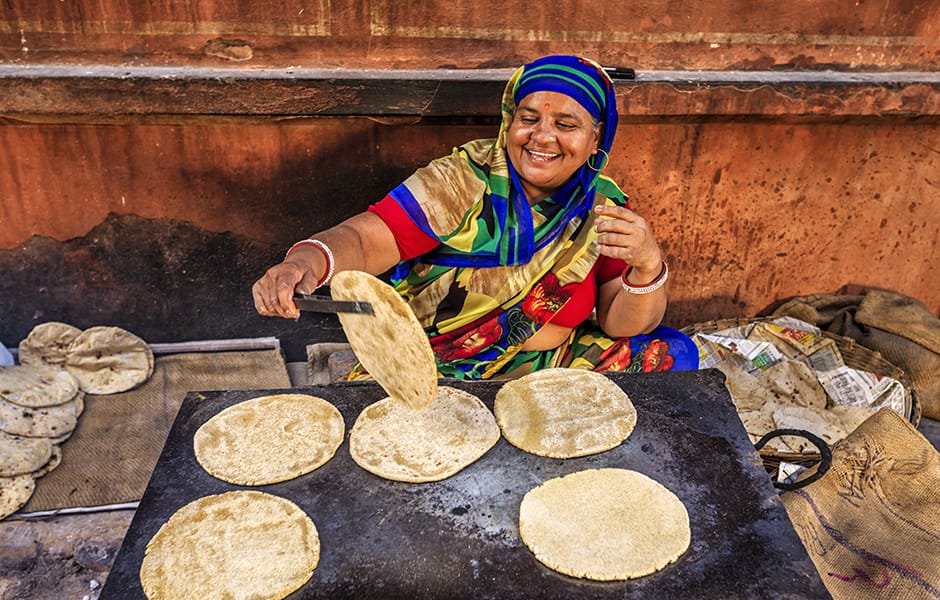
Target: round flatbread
{"type": "Point", "coordinates": [36, 386]}
{"type": "Point", "coordinates": [564, 413]}
{"type": "Point", "coordinates": [108, 360]}
{"type": "Point", "coordinates": [401, 443]}
{"type": "Point", "coordinates": [20, 455]}
{"type": "Point", "coordinates": [14, 493]}
{"type": "Point", "coordinates": [269, 439]}
{"type": "Point", "coordinates": [54, 461]}
{"type": "Point", "coordinates": [242, 544]}
{"type": "Point", "coordinates": [390, 343]}
{"type": "Point", "coordinates": [604, 524]}
{"type": "Point", "coordinates": [49, 422]}
{"type": "Point", "coordinates": [47, 344]}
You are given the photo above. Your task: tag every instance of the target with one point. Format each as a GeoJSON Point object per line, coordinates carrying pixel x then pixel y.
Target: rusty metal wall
{"type": "Point", "coordinates": [648, 34]}
{"type": "Point", "coordinates": [749, 213]}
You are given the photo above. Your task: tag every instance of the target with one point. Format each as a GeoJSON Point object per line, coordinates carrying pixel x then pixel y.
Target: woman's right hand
{"type": "Point", "coordinates": [274, 292]}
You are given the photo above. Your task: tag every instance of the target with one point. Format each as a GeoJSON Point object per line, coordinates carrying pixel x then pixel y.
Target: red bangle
{"type": "Point", "coordinates": [327, 254]}
{"type": "Point", "coordinates": [649, 287]}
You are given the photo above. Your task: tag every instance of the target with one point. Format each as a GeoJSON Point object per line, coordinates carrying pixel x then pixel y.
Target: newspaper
{"type": "Point", "coordinates": [759, 345]}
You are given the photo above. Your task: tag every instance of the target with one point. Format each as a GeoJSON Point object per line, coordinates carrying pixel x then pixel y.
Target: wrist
{"type": "Point", "coordinates": [323, 249]}
{"type": "Point", "coordinates": [646, 284]}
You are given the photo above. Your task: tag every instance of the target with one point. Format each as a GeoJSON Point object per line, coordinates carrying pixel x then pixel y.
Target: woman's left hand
{"type": "Point", "coordinates": [626, 235]}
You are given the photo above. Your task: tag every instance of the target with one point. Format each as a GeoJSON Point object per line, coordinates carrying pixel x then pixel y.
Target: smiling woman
{"type": "Point", "coordinates": [515, 253]}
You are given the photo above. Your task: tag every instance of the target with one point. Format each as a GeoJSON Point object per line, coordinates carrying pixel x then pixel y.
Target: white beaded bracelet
{"type": "Point", "coordinates": [649, 287]}
{"type": "Point", "coordinates": [327, 253]}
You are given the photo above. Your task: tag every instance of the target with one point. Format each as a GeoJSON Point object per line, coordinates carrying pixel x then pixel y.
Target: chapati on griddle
{"type": "Point", "coordinates": [397, 442]}
{"type": "Point", "coordinates": [269, 439]}
{"type": "Point", "coordinates": [604, 524]}
{"type": "Point", "coordinates": [564, 413]}
{"type": "Point", "coordinates": [241, 544]}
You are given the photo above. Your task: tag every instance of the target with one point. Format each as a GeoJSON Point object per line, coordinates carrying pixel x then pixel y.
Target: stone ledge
{"type": "Point", "coordinates": [100, 93]}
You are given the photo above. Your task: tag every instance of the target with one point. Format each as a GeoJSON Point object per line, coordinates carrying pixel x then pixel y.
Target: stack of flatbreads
{"type": "Point", "coordinates": [39, 409]}
{"type": "Point", "coordinates": [42, 398]}
{"type": "Point", "coordinates": [104, 360]}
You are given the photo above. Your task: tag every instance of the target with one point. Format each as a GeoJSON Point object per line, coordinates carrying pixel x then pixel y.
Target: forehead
{"type": "Point", "coordinates": [554, 103]}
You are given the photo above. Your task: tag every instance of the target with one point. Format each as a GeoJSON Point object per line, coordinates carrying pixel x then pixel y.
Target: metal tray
{"type": "Point", "coordinates": [459, 537]}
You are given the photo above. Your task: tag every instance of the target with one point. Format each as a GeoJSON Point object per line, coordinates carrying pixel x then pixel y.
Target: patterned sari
{"type": "Point", "coordinates": [504, 268]}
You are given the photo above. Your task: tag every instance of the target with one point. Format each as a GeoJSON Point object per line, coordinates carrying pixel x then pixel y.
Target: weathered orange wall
{"type": "Point", "coordinates": [748, 213]}
{"type": "Point", "coordinates": [648, 34]}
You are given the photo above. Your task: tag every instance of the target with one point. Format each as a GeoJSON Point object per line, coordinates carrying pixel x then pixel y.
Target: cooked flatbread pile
{"type": "Point", "coordinates": [788, 395]}
{"type": "Point", "coordinates": [604, 524]}
{"type": "Point", "coordinates": [390, 343]}
{"type": "Point", "coordinates": [564, 413]}
{"type": "Point", "coordinates": [42, 398]}
{"type": "Point", "coordinates": [241, 544]}
{"type": "Point", "coordinates": [104, 360]}
{"type": "Point", "coordinates": [269, 439]}
{"type": "Point", "coordinates": [397, 442]}
{"type": "Point", "coordinates": [39, 409]}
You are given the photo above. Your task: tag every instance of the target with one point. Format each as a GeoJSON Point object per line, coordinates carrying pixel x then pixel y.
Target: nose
{"type": "Point", "coordinates": [543, 132]}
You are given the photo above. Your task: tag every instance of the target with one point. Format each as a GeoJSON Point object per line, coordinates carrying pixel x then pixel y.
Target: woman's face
{"type": "Point", "coordinates": [550, 137]}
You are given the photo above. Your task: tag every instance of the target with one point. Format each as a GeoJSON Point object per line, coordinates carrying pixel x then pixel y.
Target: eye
{"type": "Point", "coordinates": [566, 126]}
{"type": "Point", "coordinates": [528, 120]}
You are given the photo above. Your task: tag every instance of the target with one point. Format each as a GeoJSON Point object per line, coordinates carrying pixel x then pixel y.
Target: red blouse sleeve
{"type": "Point", "coordinates": [410, 239]}
{"type": "Point", "coordinates": [609, 268]}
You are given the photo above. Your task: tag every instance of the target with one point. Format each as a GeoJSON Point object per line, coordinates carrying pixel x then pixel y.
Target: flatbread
{"type": "Point", "coordinates": [54, 461]}
{"type": "Point", "coordinates": [15, 492]}
{"type": "Point", "coordinates": [49, 421]}
{"type": "Point", "coordinates": [241, 544]}
{"type": "Point", "coordinates": [795, 383]}
{"type": "Point", "coordinates": [397, 442]}
{"type": "Point", "coordinates": [36, 386]}
{"type": "Point", "coordinates": [390, 344]}
{"type": "Point", "coordinates": [564, 413]}
{"type": "Point", "coordinates": [269, 439]}
{"type": "Point", "coordinates": [47, 344]}
{"type": "Point", "coordinates": [20, 455]}
{"type": "Point", "coordinates": [108, 360]}
{"type": "Point", "coordinates": [604, 524]}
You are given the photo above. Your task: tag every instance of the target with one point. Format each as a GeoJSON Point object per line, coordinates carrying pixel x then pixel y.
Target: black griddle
{"type": "Point", "coordinates": [459, 538]}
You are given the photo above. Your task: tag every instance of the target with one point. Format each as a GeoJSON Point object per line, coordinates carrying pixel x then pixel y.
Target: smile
{"type": "Point", "coordinates": [541, 156]}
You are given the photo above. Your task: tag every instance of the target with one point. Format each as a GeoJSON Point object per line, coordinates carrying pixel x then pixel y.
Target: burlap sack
{"type": "Point", "coordinates": [900, 328]}
{"type": "Point", "coordinates": [871, 524]}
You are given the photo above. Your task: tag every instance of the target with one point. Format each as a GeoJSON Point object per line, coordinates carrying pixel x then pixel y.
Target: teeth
{"type": "Point", "coordinates": [543, 155]}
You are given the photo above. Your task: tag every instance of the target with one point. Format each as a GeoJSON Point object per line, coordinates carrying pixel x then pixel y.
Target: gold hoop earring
{"type": "Point", "coordinates": [604, 161]}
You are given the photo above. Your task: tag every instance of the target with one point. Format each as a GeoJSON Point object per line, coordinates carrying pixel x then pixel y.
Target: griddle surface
{"type": "Point", "coordinates": [459, 538]}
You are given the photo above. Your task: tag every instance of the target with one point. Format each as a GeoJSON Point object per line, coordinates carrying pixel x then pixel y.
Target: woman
{"type": "Point", "coordinates": [515, 254]}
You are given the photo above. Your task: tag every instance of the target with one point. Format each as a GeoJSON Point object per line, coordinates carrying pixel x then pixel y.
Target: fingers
{"type": "Point", "coordinates": [273, 293]}
{"type": "Point", "coordinates": [625, 235]}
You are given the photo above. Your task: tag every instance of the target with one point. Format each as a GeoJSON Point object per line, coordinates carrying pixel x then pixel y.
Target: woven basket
{"type": "Point", "coordinates": [855, 357]}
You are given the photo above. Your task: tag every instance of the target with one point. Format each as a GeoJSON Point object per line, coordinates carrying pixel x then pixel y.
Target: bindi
{"type": "Point", "coordinates": [547, 106]}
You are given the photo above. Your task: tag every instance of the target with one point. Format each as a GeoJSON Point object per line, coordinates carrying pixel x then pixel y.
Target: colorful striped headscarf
{"type": "Point", "coordinates": [496, 227]}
